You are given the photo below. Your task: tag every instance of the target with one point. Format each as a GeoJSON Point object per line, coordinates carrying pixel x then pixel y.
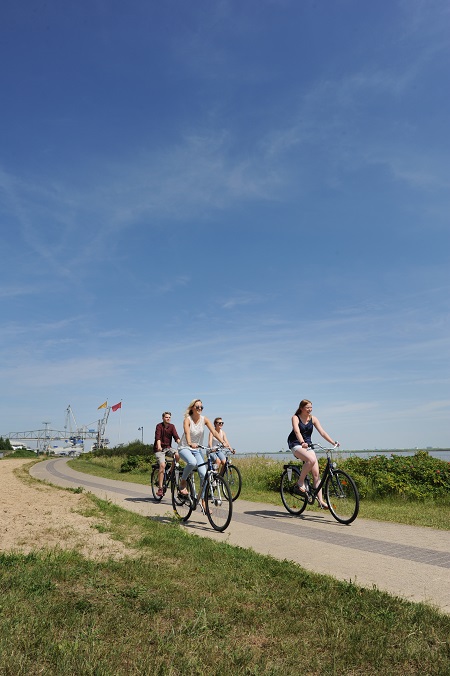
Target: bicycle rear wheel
{"type": "Point", "coordinates": [232, 476]}
{"type": "Point", "coordinates": [155, 484]}
{"type": "Point", "coordinates": [342, 496]}
{"type": "Point", "coordinates": [182, 505]}
{"type": "Point", "coordinates": [219, 502]}
{"type": "Point", "coordinates": [295, 504]}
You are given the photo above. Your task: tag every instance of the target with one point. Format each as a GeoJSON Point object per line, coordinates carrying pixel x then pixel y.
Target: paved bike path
{"type": "Point", "coordinates": [406, 561]}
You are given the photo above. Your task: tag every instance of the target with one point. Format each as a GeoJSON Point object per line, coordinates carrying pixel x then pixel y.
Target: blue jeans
{"type": "Point", "coordinates": [218, 454]}
{"type": "Point", "coordinates": [192, 457]}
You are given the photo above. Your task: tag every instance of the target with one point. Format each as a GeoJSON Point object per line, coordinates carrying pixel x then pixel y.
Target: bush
{"type": "Point", "coordinates": [133, 448]}
{"type": "Point", "coordinates": [5, 445]}
{"type": "Point", "coordinates": [22, 453]}
{"type": "Point", "coordinates": [136, 463]}
{"type": "Point", "coordinates": [416, 477]}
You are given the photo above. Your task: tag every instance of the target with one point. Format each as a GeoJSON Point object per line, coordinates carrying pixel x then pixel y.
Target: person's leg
{"type": "Point", "coordinates": [221, 461]}
{"type": "Point", "coordinates": [161, 458]}
{"type": "Point", "coordinates": [187, 455]}
{"type": "Point", "coordinates": [201, 471]}
{"type": "Point", "coordinates": [308, 457]}
{"type": "Point", "coordinates": [199, 461]}
{"type": "Point", "coordinates": [310, 464]}
{"type": "Point", "coordinates": [315, 471]}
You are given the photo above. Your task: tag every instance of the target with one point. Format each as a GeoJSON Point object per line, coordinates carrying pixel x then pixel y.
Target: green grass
{"type": "Point", "coordinates": [256, 472]}
{"type": "Point", "coordinates": [192, 606]}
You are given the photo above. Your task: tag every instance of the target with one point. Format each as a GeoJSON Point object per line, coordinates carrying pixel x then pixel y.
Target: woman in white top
{"type": "Point", "coordinates": [219, 456]}
{"type": "Point", "coordinates": [193, 431]}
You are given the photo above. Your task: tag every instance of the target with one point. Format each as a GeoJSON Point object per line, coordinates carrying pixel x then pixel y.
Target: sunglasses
{"type": "Point", "coordinates": [220, 423]}
{"type": "Point", "coordinates": [199, 408]}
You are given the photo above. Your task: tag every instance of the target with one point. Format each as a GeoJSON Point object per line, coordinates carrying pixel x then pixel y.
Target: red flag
{"type": "Point", "coordinates": [116, 406]}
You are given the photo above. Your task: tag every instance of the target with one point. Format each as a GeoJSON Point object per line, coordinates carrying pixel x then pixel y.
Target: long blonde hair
{"type": "Point", "coordinates": [189, 409]}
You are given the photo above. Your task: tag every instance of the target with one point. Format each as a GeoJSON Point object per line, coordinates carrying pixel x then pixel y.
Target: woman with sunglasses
{"type": "Point", "coordinates": [193, 431]}
{"type": "Point", "coordinates": [219, 457]}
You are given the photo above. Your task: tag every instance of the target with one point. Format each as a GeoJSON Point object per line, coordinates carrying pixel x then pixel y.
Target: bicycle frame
{"type": "Point", "coordinates": [207, 478]}
{"type": "Point", "coordinates": [313, 491]}
{"type": "Point", "coordinates": [214, 496]}
{"type": "Point", "coordinates": [341, 493]}
{"type": "Point", "coordinates": [230, 471]}
{"type": "Point", "coordinates": [168, 477]}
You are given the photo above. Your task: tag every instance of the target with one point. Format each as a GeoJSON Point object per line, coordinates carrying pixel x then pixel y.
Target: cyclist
{"type": "Point", "coordinates": [219, 456]}
{"type": "Point", "coordinates": [164, 433]}
{"type": "Point", "coordinates": [299, 440]}
{"type": "Point", "coordinates": [193, 431]}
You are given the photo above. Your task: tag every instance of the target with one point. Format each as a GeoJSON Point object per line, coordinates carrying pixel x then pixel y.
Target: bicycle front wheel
{"type": "Point", "coordinates": [294, 503]}
{"type": "Point", "coordinates": [232, 476]}
{"type": "Point", "coordinates": [342, 496]}
{"type": "Point", "coordinates": [219, 502]}
{"type": "Point", "coordinates": [183, 505]}
{"type": "Point", "coordinates": [155, 484]}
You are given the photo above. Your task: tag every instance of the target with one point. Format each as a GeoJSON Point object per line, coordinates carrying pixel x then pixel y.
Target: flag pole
{"type": "Point", "coordinates": [120, 421]}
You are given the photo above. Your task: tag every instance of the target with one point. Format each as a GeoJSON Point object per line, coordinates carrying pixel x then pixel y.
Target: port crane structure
{"type": "Point", "coordinates": [71, 433]}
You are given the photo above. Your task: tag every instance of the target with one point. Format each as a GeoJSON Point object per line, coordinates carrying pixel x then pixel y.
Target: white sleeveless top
{"type": "Point", "coordinates": [215, 443]}
{"type": "Point", "coordinates": [197, 432]}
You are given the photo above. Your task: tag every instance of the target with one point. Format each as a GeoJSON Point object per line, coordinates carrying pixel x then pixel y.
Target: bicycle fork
{"type": "Point", "coordinates": [336, 483]}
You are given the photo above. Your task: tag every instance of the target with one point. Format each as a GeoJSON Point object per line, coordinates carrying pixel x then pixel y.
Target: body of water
{"type": "Point", "coordinates": [286, 456]}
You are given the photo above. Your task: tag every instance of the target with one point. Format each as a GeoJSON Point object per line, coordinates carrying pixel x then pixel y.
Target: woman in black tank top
{"type": "Point", "coordinates": [303, 423]}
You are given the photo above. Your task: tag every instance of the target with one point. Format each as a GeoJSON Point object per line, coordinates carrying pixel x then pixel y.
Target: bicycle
{"type": "Point", "coordinates": [216, 495]}
{"type": "Point", "coordinates": [340, 490]}
{"type": "Point", "coordinates": [169, 476]}
{"type": "Point", "coordinates": [231, 473]}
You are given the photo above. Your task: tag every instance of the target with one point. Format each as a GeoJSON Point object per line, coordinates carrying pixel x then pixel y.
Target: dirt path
{"type": "Point", "coordinates": [34, 516]}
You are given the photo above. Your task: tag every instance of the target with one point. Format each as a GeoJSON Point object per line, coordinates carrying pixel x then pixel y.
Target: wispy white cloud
{"type": "Point", "coordinates": [240, 299]}
{"type": "Point", "coordinates": [171, 282]}
{"type": "Point", "coordinates": [17, 290]}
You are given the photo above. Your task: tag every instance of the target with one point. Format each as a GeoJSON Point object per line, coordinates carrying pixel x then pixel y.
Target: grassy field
{"type": "Point", "coordinates": [255, 472]}
{"type": "Point", "coordinates": [185, 605]}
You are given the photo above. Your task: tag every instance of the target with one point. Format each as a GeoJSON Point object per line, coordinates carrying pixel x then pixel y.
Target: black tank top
{"type": "Point", "coordinates": [306, 431]}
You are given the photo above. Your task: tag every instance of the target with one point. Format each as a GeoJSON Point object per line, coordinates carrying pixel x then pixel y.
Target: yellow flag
{"type": "Point", "coordinates": [103, 405]}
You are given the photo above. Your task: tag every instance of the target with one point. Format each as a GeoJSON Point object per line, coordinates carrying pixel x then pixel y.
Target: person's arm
{"type": "Point", "coordinates": [225, 441]}
{"type": "Point", "coordinates": [177, 439]}
{"type": "Point", "coordinates": [175, 435]}
{"type": "Point", "coordinates": [322, 432]}
{"type": "Point", "coordinates": [157, 444]}
{"type": "Point", "coordinates": [210, 438]}
{"type": "Point", "coordinates": [298, 434]}
{"type": "Point", "coordinates": [212, 430]}
{"type": "Point", "coordinates": [187, 432]}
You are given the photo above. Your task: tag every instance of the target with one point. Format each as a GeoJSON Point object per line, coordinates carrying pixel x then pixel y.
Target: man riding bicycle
{"type": "Point", "coordinates": [165, 432]}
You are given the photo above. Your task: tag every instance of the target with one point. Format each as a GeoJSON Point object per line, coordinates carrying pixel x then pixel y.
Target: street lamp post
{"type": "Point", "coordinates": [141, 429]}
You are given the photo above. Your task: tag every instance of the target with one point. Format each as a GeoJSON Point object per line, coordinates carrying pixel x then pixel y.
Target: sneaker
{"type": "Point", "coordinates": [160, 492]}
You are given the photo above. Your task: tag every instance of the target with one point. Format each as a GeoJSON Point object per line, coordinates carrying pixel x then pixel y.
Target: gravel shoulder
{"type": "Point", "coordinates": [37, 516]}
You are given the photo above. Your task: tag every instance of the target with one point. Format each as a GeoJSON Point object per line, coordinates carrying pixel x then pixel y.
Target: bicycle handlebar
{"type": "Point", "coordinates": [221, 447]}
{"type": "Point", "coordinates": [210, 449]}
{"type": "Point", "coordinates": [323, 448]}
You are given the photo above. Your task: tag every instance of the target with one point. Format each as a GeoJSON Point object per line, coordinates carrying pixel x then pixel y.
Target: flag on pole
{"type": "Point", "coordinates": [104, 405]}
{"type": "Point", "coordinates": [116, 406]}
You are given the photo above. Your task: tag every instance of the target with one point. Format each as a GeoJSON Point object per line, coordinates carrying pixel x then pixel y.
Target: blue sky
{"type": "Point", "coordinates": [242, 201]}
